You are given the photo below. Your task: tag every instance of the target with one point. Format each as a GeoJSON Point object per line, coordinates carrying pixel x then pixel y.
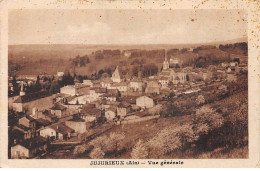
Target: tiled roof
{"type": "Point", "coordinates": [58, 106]}
{"type": "Point", "coordinates": [61, 128]}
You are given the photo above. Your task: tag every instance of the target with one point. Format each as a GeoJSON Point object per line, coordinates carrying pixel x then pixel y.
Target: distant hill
{"type": "Point", "coordinates": [38, 58]}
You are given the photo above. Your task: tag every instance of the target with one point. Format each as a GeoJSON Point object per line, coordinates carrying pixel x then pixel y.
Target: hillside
{"type": "Point", "coordinates": [36, 59]}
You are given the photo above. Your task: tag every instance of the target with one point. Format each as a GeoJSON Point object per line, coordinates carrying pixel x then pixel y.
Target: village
{"type": "Point", "coordinates": [81, 111]}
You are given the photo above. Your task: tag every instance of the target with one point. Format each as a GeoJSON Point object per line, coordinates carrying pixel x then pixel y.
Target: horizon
{"type": "Point", "coordinates": [125, 26]}
{"type": "Point", "coordinates": [214, 42]}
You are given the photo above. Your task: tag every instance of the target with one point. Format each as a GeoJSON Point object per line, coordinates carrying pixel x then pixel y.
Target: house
{"type": "Point", "coordinates": [18, 105]}
{"type": "Point", "coordinates": [48, 132]}
{"type": "Point", "coordinates": [29, 148]}
{"type": "Point", "coordinates": [57, 131]}
{"type": "Point", "coordinates": [231, 69]}
{"type": "Point", "coordinates": [153, 87]}
{"type": "Point", "coordinates": [27, 132]}
{"type": "Point", "coordinates": [110, 113]}
{"type": "Point", "coordinates": [109, 97]}
{"type": "Point", "coordinates": [78, 124]}
{"type": "Point", "coordinates": [78, 100]}
{"type": "Point", "coordinates": [105, 82]}
{"type": "Point", "coordinates": [40, 122]}
{"type": "Point", "coordinates": [90, 113]}
{"type": "Point", "coordinates": [233, 64]}
{"type": "Point", "coordinates": [144, 102]}
{"type": "Point", "coordinates": [16, 136]}
{"type": "Point", "coordinates": [60, 74]}
{"type": "Point", "coordinates": [88, 83]}
{"type": "Point", "coordinates": [129, 99]}
{"type": "Point", "coordinates": [23, 102]}
{"type": "Point", "coordinates": [58, 110]}
{"type": "Point", "coordinates": [231, 77]}
{"type": "Point", "coordinates": [95, 93]}
{"type": "Point", "coordinates": [77, 89]}
{"type": "Point", "coordinates": [136, 84]}
{"type": "Point", "coordinates": [164, 81]}
{"type": "Point", "coordinates": [116, 76]}
{"type": "Point", "coordinates": [46, 115]}
{"type": "Point", "coordinates": [27, 121]}
{"type": "Point", "coordinates": [122, 86]}
{"type": "Point", "coordinates": [123, 109]}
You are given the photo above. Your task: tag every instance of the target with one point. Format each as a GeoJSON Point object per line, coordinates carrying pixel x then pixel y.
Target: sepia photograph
{"type": "Point", "coordinates": [127, 84]}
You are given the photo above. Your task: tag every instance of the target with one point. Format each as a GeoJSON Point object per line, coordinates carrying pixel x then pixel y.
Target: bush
{"type": "Point", "coordinates": [139, 151]}
{"type": "Point", "coordinates": [97, 153]}
{"type": "Point", "coordinates": [206, 119]}
{"type": "Point", "coordinates": [171, 139]}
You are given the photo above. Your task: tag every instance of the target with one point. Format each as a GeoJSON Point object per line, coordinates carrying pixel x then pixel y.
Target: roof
{"type": "Point", "coordinates": [91, 110]}
{"type": "Point", "coordinates": [119, 84]}
{"type": "Point", "coordinates": [142, 114]}
{"type": "Point", "coordinates": [61, 128]}
{"type": "Point", "coordinates": [77, 120]}
{"type": "Point", "coordinates": [112, 91]}
{"type": "Point", "coordinates": [33, 143]}
{"type": "Point", "coordinates": [31, 97]}
{"type": "Point", "coordinates": [58, 106]}
{"type": "Point", "coordinates": [129, 99]}
{"type": "Point", "coordinates": [29, 118]}
{"type": "Point", "coordinates": [153, 84]}
{"type": "Point", "coordinates": [43, 122]}
{"type": "Point", "coordinates": [111, 108]}
{"type": "Point", "coordinates": [124, 105]}
{"type": "Point", "coordinates": [47, 113]}
{"type": "Point", "coordinates": [105, 79]}
{"type": "Point", "coordinates": [136, 79]}
{"type": "Point", "coordinates": [164, 78]}
{"type": "Point", "coordinates": [100, 90]}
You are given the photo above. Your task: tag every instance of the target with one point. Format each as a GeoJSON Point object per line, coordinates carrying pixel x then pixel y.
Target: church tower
{"type": "Point", "coordinates": [165, 63]}
{"type": "Point", "coordinates": [116, 76]}
{"type": "Point", "coordinates": [22, 93]}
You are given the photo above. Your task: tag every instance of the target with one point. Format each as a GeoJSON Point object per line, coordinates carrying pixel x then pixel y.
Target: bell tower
{"type": "Point", "coordinates": [165, 63]}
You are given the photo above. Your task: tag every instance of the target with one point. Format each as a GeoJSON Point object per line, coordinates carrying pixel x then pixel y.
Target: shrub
{"type": "Point", "coordinates": [139, 151]}
{"type": "Point", "coordinates": [97, 153]}
{"type": "Point", "coordinates": [206, 119]}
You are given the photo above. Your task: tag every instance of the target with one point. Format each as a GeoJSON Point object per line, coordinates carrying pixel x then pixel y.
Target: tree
{"type": "Point", "coordinates": [54, 88]}
{"type": "Point", "coordinates": [206, 119]}
{"type": "Point", "coordinates": [200, 100]}
{"type": "Point", "coordinates": [79, 149]}
{"type": "Point", "coordinates": [97, 153]}
{"type": "Point", "coordinates": [139, 151]}
{"type": "Point", "coordinates": [116, 140]}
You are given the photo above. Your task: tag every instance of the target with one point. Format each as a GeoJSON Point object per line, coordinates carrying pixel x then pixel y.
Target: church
{"type": "Point", "coordinates": [116, 76]}
{"type": "Point", "coordinates": [176, 75]}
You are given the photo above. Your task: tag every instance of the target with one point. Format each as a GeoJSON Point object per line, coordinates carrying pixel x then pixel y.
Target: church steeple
{"type": "Point", "coordinates": [165, 63]}
{"type": "Point", "coordinates": [116, 76]}
{"type": "Point", "coordinates": [22, 93]}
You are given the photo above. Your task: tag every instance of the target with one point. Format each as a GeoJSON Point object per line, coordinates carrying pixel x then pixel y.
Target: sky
{"type": "Point", "coordinates": [163, 26]}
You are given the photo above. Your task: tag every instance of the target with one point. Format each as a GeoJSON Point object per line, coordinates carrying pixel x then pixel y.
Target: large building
{"type": "Point", "coordinates": [76, 89]}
